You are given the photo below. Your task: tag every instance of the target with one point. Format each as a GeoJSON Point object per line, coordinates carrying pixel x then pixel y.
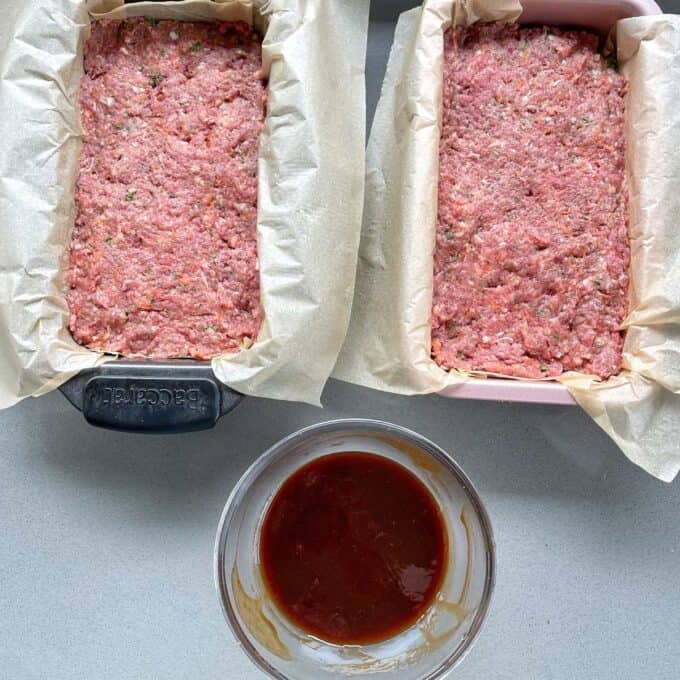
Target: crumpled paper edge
{"type": "Point", "coordinates": [639, 408]}
{"type": "Point", "coordinates": [310, 194]}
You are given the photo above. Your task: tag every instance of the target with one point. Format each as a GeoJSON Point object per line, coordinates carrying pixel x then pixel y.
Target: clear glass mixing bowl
{"type": "Point", "coordinates": [428, 649]}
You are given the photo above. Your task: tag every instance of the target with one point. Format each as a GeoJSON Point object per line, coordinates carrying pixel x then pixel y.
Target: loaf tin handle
{"type": "Point", "coordinates": [150, 399]}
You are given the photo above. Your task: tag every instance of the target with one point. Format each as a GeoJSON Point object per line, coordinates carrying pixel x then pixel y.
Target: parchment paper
{"type": "Point", "coordinates": [388, 342]}
{"type": "Point", "coordinates": [310, 188]}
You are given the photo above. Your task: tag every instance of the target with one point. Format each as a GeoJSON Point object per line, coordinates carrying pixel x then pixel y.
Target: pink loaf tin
{"type": "Point", "coordinates": [597, 15]}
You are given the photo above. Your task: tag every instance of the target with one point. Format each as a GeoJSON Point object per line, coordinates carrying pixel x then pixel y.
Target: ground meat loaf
{"type": "Point", "coordinates": [532, 252]}
{"type": "Point", "coordinates": [163, 259]}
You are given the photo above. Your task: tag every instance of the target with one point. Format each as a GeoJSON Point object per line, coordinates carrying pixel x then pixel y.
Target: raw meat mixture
{"type": "Point", "coordinates": [163, 259]}
{"type": "Point", "coordinates": [532, 252]}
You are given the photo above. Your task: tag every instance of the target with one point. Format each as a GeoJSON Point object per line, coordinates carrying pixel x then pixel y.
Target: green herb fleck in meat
{"type": "Point", "coordinates": [195, 47]}
{"type": "Point", "coordinates": [612, 63]}
{"type": "Point", "coordinates": [155, 79]}
{"type": "Point", "coordinates": [598, 281]}
{"type": "Point", "coordinates": [151, 21]}
{"type": "Point", "coordinates": [130, 196]}
{"type": "Point", "coordinates": [543, 368]}
{"type": "Point", "coordinates": [109, 239]}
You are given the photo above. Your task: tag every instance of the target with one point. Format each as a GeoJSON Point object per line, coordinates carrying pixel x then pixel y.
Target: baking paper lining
{"type": "Point", "coordinates": [388, 342]}
{"type": "Point", "coordinates": [309, 202]}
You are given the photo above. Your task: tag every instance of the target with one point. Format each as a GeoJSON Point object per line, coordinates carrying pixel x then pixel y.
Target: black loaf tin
{"type": "Point", "coordinates": [151, 396]}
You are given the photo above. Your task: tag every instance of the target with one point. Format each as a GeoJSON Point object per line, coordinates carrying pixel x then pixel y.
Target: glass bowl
{"type": "Point", "coordinates": [428, 649]}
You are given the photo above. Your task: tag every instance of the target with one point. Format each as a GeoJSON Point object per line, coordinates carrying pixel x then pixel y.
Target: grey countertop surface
{"type": "Point", "coordinates": [106, 539]}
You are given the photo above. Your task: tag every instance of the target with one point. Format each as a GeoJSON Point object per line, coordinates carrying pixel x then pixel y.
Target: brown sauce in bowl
{"type": "Point", "coordinates": [353, 548]}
